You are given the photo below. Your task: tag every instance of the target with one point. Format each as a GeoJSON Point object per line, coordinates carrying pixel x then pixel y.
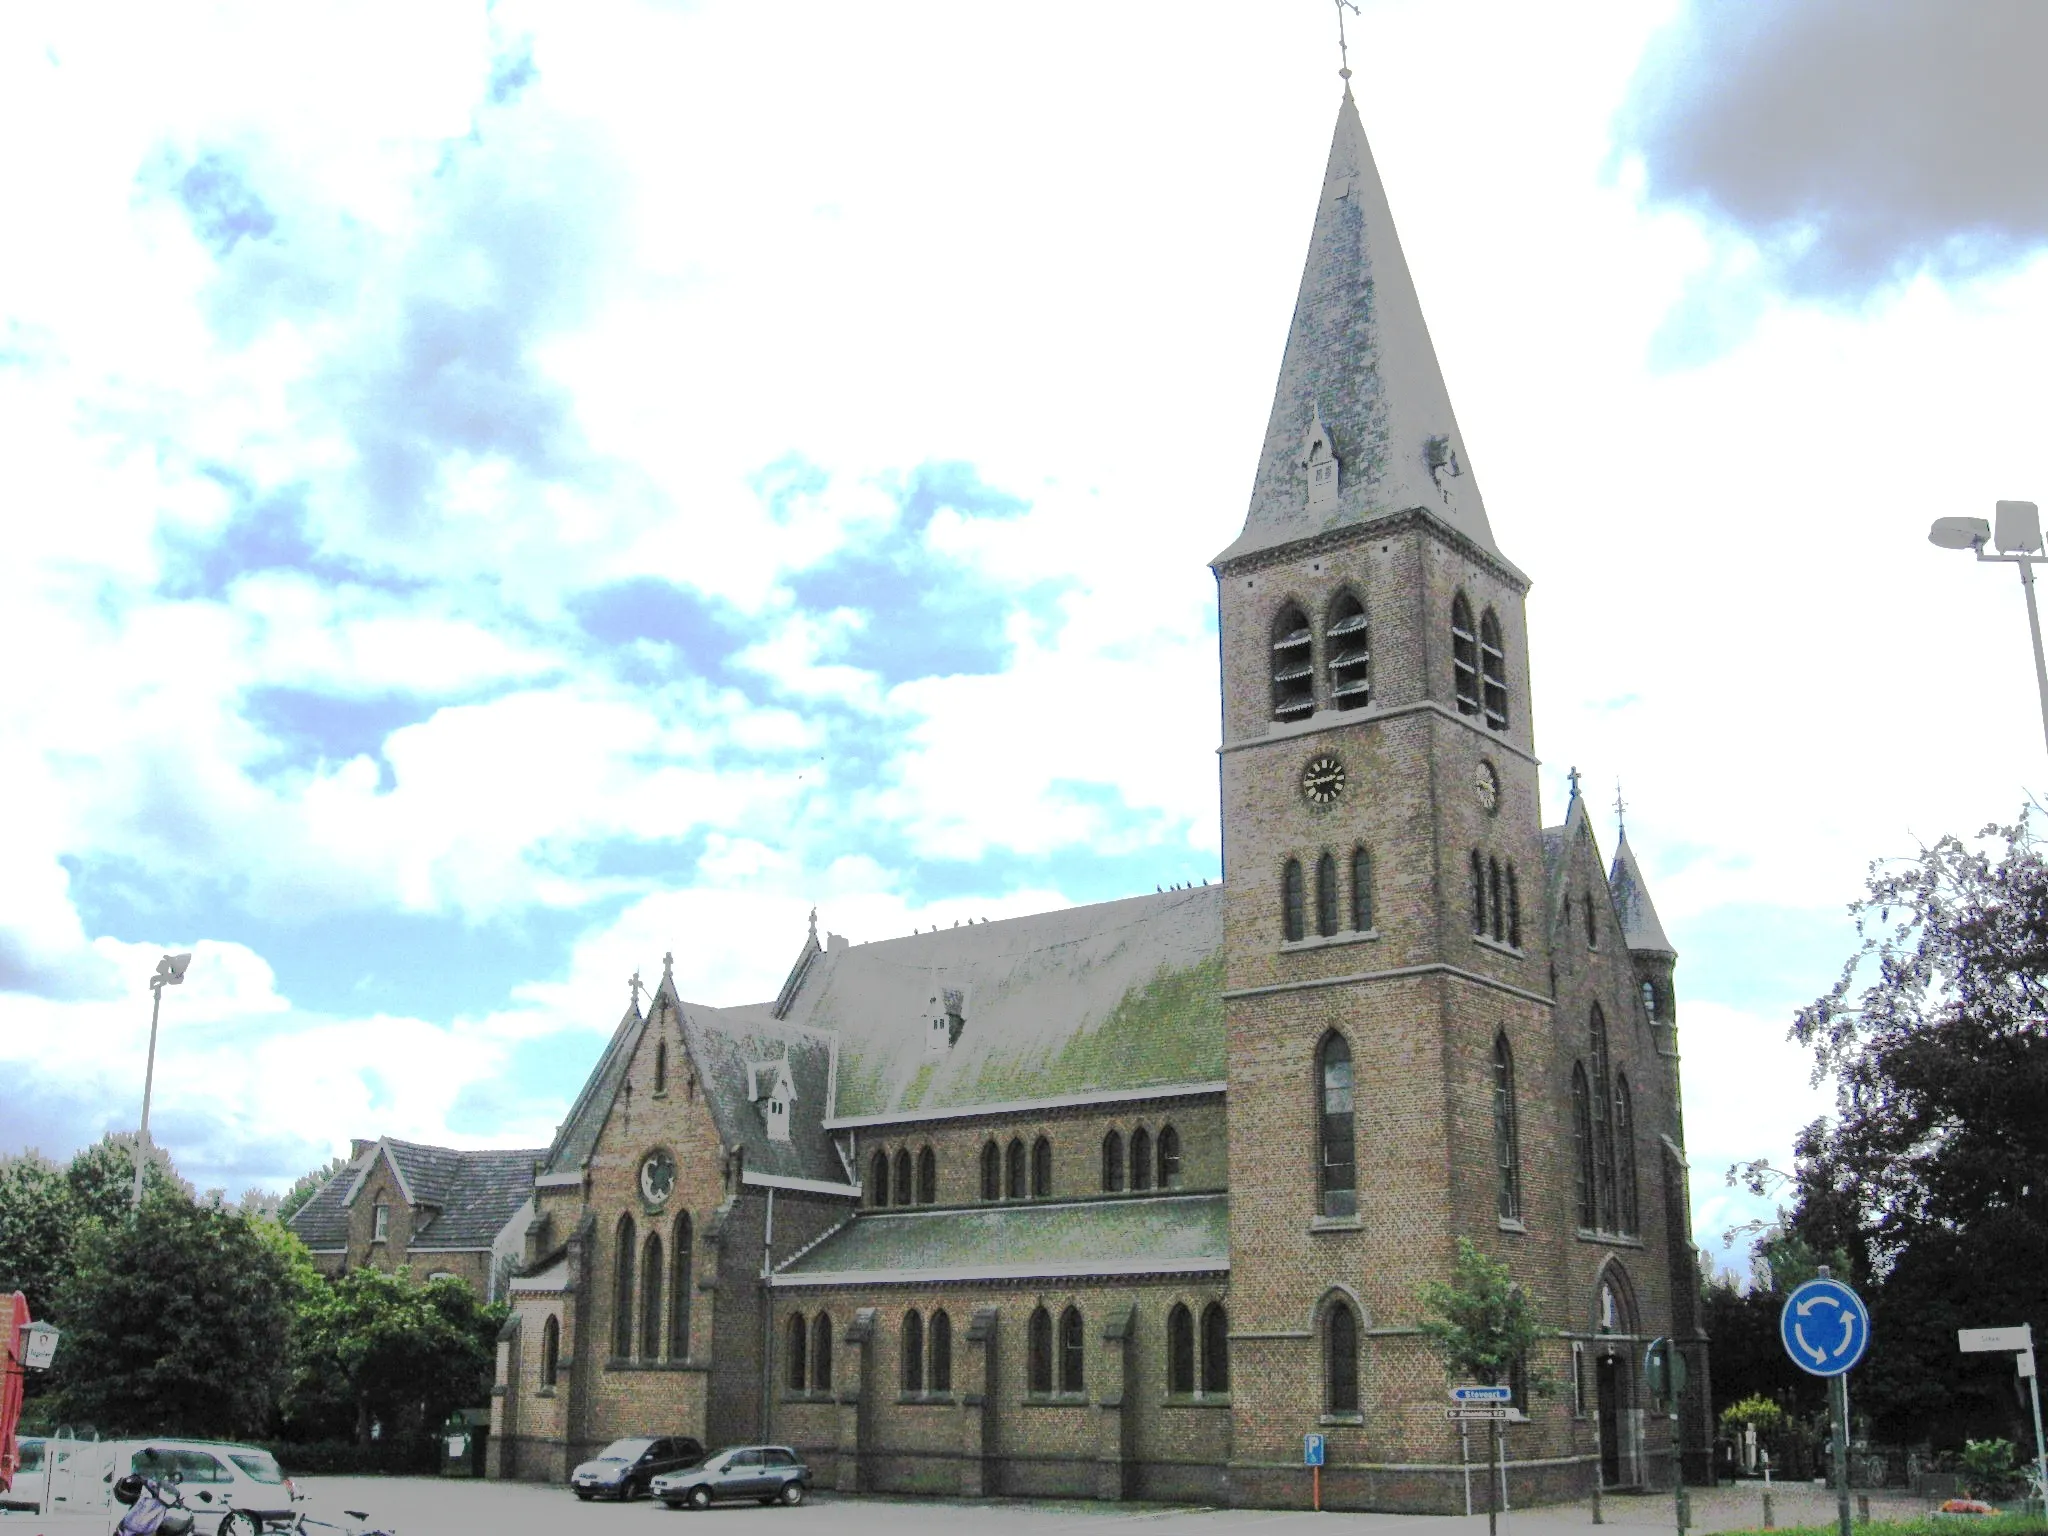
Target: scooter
{"type": "Point", "coordinates": [155, 1509]}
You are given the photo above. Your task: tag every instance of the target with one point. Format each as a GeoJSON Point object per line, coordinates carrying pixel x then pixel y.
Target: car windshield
{"type": "Point", "coordinates": [260, 1465]}
{"type": "Point", "coordinates": [624, 1450]}
{"type": "Point", "coordinates": [31, 1455]}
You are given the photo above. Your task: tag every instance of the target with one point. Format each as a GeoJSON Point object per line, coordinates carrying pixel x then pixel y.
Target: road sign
{"type": "Point", "coordinates": [1482, 1394]}
{"type": "Point", "coordinates": [1503, 1415]}
{"type": "Point", "coordinates": [1311, 1450]}
{"type": "Point", "coordinates": [1825, 1327]}
{"type": "Point", "coordinates": [1978, 1341]}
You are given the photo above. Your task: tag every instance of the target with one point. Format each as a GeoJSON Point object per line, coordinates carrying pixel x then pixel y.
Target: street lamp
{"type": "Point", "coordinates": [2018, 538]}
{"type": "Point", "coordinates": [170, 971]}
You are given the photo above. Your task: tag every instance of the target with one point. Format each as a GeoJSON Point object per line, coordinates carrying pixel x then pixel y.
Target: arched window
{"type": "Point", "coordinates": [1112, 1162]}
{"type": "Point", "coordinates": [913, 1351]}
{"type": "Point", "coordinates": [901, 1189]}
{"type": "Point", "coordinates": [1141, 1158]}
{"type": "Point", "coordinates": [1041, 1168]}
{"type": "Point", "coordinates": [661, 1066]}
{"type": "Point", "coordinates": [821, 1352]}
{"type": "Point", "coordinates": [1073, 1351]}
{"type": "Point", "coordinates": [622, 1292]}
{"type": "Point", "coordinates": [1015, 1185]}
{"type": "Point", "coordinates": [927, 1177]}
{"type": "Point", "coordinates": [939, 1353]}
{"type": "Point", "coordinates": [679, 1292]}
{"type": "Point", "coordinates": [1038, 1345]}
{"type": "Point", "coordinates": [1493, 667]}
{"type": "Point", "coordinates": [1326, 896]}
{"type": "Point", "coordinates": [651, 1318]}
{"type": "Point", "coordinates": [1478, 892]}
{"type": "Point", "coordinates": [1347, 645]}
{"type": "Point", "coordinates": [550, 1351]}
{"type": "Point", "coordinates": [1603, 1122]}
{"type": "Point", "coordinates": [1507, 1148]}
{"type": "Point", "coordinates": [878, 1179]}
{"type": "Point", "coordinates": [991, 1172]}
{"type": "Point", "coordinates": [1650, 1000]}
{"type": "Point", "coordinates": [1361, 891]}
{"type": "Point", "coordinates": [1215, 1349]}
{"type": "Point", "coordinates": [1293, 903]}
{"type": "Point", "coordinates": [1464, 656]}
{"type": "Point", "coordinates": [1169, 1157]}
{"type": "Point", "coordinates": [1496, 901]}
{"type": "Point", "coordinates": [1514, 909]}
{"type": "Point", "coordinates": [1592, 928]}
{"type": "Point", "coordinates": [1337, 1136]}
{"type": "Point", "coordinates": [1340, 1337]}
{"type": "Point", "coordinates": [1294, 672]}
{"type": "Point", "coordinates": [1180, 1351]}
{"type": "Point", "coordinates": [799, 1338]}
{"type": "Point", "coordinates": [1625, 1152]}
{"type": "Point", "coordinates": [1582, 1148]}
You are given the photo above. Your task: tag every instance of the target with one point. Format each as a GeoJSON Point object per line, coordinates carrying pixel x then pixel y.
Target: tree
{"type": "Point", "coordinates": [1482, 1324]}
{"type": "Point", "coordinates": [37, 1218]}
{"type": "Point", "coordinates": [378, 1346]}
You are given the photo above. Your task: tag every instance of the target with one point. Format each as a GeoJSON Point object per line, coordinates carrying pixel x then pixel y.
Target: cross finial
{"type": "Point", "coordinates": [814, 925]}
{"type": "Point", "coordinates": [1574, 777]}
{"type": "Point", "coordinates": [668, 965]}
{"type": "Point", "coordinates": [635, 985]}
{"type": "Point", "coordinates": [1343, 50]}
{"type": "Point", "coordinates": [1620, 811]}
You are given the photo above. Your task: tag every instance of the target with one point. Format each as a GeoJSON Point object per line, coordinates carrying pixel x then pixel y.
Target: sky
{"type": "Point", "coordinates": [499, 494]}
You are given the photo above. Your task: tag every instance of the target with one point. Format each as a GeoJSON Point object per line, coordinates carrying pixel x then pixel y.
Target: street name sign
{"type": "Point", "coordinates": [1482, 1394]}
{"type": "Point", "coordinates": [1499, 1415]}
{"type": "Point", "coordinates": [1824, 1327]}
{"type": "Point", "coordinates": [1979, 1341]}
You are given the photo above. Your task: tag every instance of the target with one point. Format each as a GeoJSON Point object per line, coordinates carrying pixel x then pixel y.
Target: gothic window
{"type": "Point", "coordinates": [901, 1187]}
{"type": "Point", "coordinates": [1582, 1148]}
{"type": "Point", "coordinates": [1507, 1150]}
{"type": "Point", "coordinates": [550, 1351]}
{"type": "Point", "coordinates": [878, 1179]}
{"type": "Point", "coordinates": [1180, 1351]}
{"type": "Point", "coordinates": [939, 1353]}
{"type": "Point", "coordinates": [927, 1177]}
{"type": "Point", "coordinates": [1493, 666]}
{"type": "Point", "coordinates": [1340, 1339]}
{"type": "Point", "coordinates": [1361, 891]}
{"type": "Point", "coordinates": [1625, 1153]}
{"type": "Point", "coordinates": [1464, 656]}
{"type": "Point", "coordinates": [1073, 1351]}
{"type": "Point", "coordinates": [1215, 1349]}
{"type": "Point", "coordinates": [1338, 1145]}
{"type": "Point", "coordinates": [1014, 1185]}
{"type": "Point", "coordinates": [913, 1351]}
{"type": "Point", "coordinates": [622, 1296]}
{"type": "Point", "coordinates": [1112, 1162]}
{"type": "Point", "coordinates": [1294, 672]}
{"type": "Point", "coordinates": [1592, 930]}
{"type": "Point", "coordinates": [821, 1353]}
{"type": "Point", "coordinates": [1293, 903]}
{"type": "Point", "coordinates": [1326, 896]}
{"type": "Point", "coordinates": [799, 1337]}
{"type": "Point", "coordinates": [661, 1066]}
{"type": "Point", "coordinates": [1038, 1345]}
{"type": "Point", "coordinates": [1650, 1000]}
{"type": "Point", "coordinates": [1346, 643]}
{"type": "Point", "coordinates": [1169, 1157]}
{"type": "Point", "coordinates": [1141, 1159]}
{"type": "Point", "coordinates": [1514, 909]}
{"type": "Point", "coordinates": [1603, 1122]}
{"type": "Point", "coordinates": [1496, 902]}
{"type": "Point", "coordinates": [651, 1317]}
{"type": "Point", "coordinates": [991, 1171]}
{"type": "Point", "coordinates": [1478, 892]}
{"type": "Point", "coordinates": [679, 1292]}
{"type": "Point", "coordinates": [1041, 1168]}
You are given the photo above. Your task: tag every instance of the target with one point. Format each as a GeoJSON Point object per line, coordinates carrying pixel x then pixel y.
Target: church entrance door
{"type": "Point", "coordinates": [1608, 1376]}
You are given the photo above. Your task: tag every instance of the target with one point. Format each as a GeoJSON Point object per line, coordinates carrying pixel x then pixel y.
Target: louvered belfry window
{"type": "Point", "coordinates": [1464, 656]}
{"type": "Point", "coordinates": [1493, 668]}
{"type": "Point", "coordinates": [1347, 643]}
{"type": "Point", "coordinates": [1294, 669]}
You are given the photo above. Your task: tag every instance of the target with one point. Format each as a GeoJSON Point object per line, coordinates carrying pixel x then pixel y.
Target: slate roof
{"type": "Point", "coordinates": [1640, 929]}
{"type": "Point", "coordinates": [723, 1044]}
{"type": "Point", "coordinates": [1359, 352]}
{"type": "Point", "coordinates": [1117, 996]}
{"type": "Point", "coordinates": [1153, 1235]}
{"type": "Point", "coordinates": [577, 1137]}
{"type": "Point", "coordinates": [322, 1222]}
{"type": "Point", "coordinates": [474, 1194]}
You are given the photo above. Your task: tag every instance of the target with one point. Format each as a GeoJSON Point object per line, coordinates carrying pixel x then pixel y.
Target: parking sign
{"type": "Point", "coordinates": [1311, 1450]}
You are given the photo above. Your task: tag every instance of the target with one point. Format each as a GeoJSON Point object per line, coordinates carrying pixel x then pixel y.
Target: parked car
{"type": "Point", "coordinates": [772, 1474]}
{"type": "Point", "coordinates": [625, 1468]}
{"type": "Point", "coordinates": [229, 1489]}
{"type": "Point", "coordinates": [26, 1490]}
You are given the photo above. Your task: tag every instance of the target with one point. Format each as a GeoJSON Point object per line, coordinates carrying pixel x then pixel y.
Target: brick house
{"type": "Point", "coordinates": [437, 1210]}
{"type": "Point", "coordinates": [1120, 1201]}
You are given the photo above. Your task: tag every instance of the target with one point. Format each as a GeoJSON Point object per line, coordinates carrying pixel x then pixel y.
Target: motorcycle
{"type": "Point", "coordinates": [154, 1508]}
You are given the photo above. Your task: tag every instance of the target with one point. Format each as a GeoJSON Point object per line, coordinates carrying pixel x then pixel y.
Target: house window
{"type": "Point", "coordinates": [550, 1351]}
{"type": "Point", "coordinates": [1340, 1337]}
{"type": "Point", "coordinates": [679, 1293]}
{"type": "Point", "coordinates": [1625, 1152]}
{"type": "Point", "coordinates": [380, 1224]}
{"type": "Point", "coordinates": [1038, 1338]}
{"type": "Point", "coordinates": [1141, 1158]}
{"type": "Point", "coordinates": [1507, 1150]}
{"type": "Point", "coordinates": [622, 1296]}
{"type": "Point", "coordinates": [1180, 1351]}
{"type": "Point", "coordinates": [878, 1179]}
{"type": "Point", "coordinates": [1015, 1188]}
{"type": "Point", "coordinates": [939, 1353]}
{"type": "Point", "coordinates": [1215, 1350]}
{"type": "Point", "coordinates": [913, 1351]}
{"type": "Point", "coordinates": [991, 1172]}
{"type": "Point", "coordinates": [1337, 1134]}
{"type": "Point", "coordinates": [1326, 896]}
{"type": "Point", "coordinates": [1169, 1157]}
{"type": "Point", "coordinates": [1112, 1162]}
{"type": "Point", "coordinates": [1294, 672]}
{"type": "Point", "coordinates": [1073, 1351]}
{"type": "Point", "coordinates": [1361, 891]}
{"type": "Point", "coordinates": [1493, 667]}
{"type": "Point", "coordinates": [1293, 903]}
{"type": "Point", "coordinates": [1350, 654]}
{"type": "Point", "coordinates": [1478, 892]}
{"type": "Point", "coordinates": [901, 1188]}
{"type": "Point", "coordinates": [651, 1316]}
{"type": "Point", "coordinates": [799, 1337]}
{"type": "Point", "coordinates": [661, 1066]}
{"type": "Point", "coordinates": [821, 1353]}
{"type": "Point", "coordinates": [1041, 1168]}
{"type": "Point", "coordinates": [1464, 657]}
{"type": "Point", "coordinates": [927, 1177]}
{"type": "Point", "coordinates": [1582, 1147]}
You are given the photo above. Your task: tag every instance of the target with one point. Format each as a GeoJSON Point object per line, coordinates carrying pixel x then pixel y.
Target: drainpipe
{"type": "Point", "coordinates": [768, 1322]}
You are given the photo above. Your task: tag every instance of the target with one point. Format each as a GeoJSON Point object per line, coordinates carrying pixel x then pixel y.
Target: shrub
{"type": "Point", "coordinates": [1990, 1469]}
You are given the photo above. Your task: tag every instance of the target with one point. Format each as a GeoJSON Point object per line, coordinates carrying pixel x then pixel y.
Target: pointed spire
{"type": "Point", "coordinates": [1640, 929]}
{"type": "Point", "coordinates": [1360, 365]}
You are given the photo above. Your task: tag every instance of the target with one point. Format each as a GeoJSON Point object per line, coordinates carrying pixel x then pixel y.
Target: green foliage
{"type": "Point", "coordinates": [1482, 1324]}
{"type": "Point", "coordinates": [1760, 1413]}
{"type": "Point", "coordinates": [37, 1219]}
{"type": "Point", "coordinates": [1926, 1525]}
{"type": "Point", "coordinates": [1991, 1469]}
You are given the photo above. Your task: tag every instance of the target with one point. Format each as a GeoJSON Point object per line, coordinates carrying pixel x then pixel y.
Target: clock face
{"type": "Point", "coordinates": [1323, 779]}
{"type": "Point", "coordinates": [1486, 784]}
{"type": "Point", "coordinates": [657, 1177]}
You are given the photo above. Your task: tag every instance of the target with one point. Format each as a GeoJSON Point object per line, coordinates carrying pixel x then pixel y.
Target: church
{"type": "Point", "coordinates": [1123, 1201]}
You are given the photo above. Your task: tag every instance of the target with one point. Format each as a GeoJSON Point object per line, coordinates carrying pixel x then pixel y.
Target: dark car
{"type": "Point", "coordinates": [771, 1474]}
{"type": "Point", "coordinates": [623, 1469]}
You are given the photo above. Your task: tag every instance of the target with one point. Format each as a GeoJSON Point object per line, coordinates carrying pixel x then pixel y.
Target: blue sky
{"type": "Point", "coordinates": [587, 485]}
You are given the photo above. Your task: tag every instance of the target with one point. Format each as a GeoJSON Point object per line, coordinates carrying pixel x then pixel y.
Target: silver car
{"type": "Point", "coordinates": [768, 1474]}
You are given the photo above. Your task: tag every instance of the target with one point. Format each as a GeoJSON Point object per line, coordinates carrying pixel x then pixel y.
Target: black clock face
{"type": "Point", "coordinates": [1323, 779]}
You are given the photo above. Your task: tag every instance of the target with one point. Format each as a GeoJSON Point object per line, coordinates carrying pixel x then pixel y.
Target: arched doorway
{"type": "Point", "coordinates": [1615, 1412]}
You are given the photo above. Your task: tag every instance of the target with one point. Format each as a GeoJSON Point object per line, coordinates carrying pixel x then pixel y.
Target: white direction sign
{"type": "Point", "coordinates": [1482, 1394]}
{"type": "Point", "coordinates": [1503, 1415]}
{"type": "Point", "coordinates": [1979, 1341]}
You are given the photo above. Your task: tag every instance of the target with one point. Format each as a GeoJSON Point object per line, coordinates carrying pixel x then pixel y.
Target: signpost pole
{"type": "Point", "coordinates": [2026, 1362]}
{"type": "Point", "coordinates": [1465, 1456]}
{"type": "Point", "coordinates": [1838, 1401]}
{"type": "Point", "coordinates": [1492, 1477]}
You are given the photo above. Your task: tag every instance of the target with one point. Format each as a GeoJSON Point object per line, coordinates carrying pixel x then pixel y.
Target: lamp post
{"type": "Point", "coordinates": [170, 971]}
{"type": "Point", "coordinates": [2018, 539]}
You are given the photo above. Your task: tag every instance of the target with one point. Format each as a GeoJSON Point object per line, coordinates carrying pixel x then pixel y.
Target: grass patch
{"type": "Point", "coordinates": [1924, 1525]}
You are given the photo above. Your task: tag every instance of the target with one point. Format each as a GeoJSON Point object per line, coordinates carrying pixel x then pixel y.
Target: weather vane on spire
{"type": "Point", "coordinates": [1343, 51]}
{"type": "Point", "coordinates": [1620, 808]}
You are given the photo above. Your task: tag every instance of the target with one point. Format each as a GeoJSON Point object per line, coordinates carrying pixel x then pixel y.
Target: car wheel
{"type": "Point", "coordinates": [700, 1497]}
{"type": "Point", "coordinates": [583, 1494]}
{"type": "Point", "coordinates": [792, 1494]}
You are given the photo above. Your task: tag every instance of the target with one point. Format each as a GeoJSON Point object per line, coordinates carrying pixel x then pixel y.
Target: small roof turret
{"type": "Point", "coordinates": [1640, 929]}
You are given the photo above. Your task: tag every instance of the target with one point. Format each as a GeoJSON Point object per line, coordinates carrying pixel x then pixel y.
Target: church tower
{"type": "Point", "coordinates": [1387, 950]}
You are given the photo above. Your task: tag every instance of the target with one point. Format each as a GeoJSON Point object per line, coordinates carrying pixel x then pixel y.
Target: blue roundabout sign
{"type": "Point", "coordinates": [1825, 1327]}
